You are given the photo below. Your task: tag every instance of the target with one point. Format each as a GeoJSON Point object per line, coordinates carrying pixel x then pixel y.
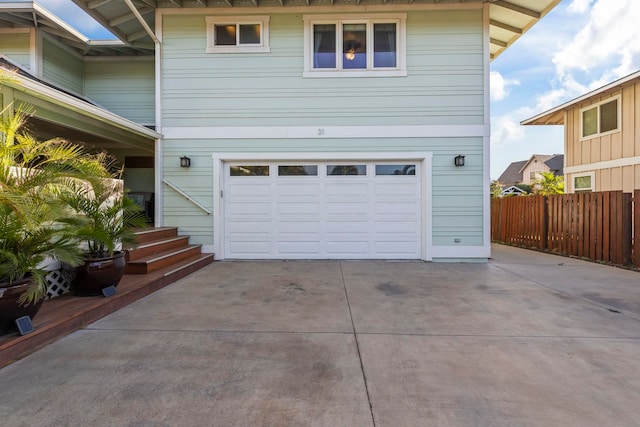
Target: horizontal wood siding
{"type": "Point", "coordinates": [444, 83]}
{"type": "Point", "coordinates": [15, 46]}
{"type": "Point", "coordinates": [457, 192]}
{"type": "Point", "coordinates": [62, 68]}
{"type": "Point", "coordinates": [126, 88]}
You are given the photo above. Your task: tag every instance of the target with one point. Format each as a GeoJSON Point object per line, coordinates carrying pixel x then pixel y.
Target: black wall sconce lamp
{"type": "Point", "coordinates": [458, 160]}
{"type": "Point", "coordinates": [185, 162]}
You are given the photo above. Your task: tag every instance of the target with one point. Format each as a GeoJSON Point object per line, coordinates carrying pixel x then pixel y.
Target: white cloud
{"type": "Point", "coordinates": [499, 86]}
{"type": "Point", "coordinates": [609, 43]}
{"type": "Point", "coordinates": [579, 6]}
{"type": "Point", "coordinates": [505, 130]}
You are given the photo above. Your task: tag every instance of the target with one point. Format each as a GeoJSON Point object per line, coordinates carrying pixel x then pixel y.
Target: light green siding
{"type": "Point", "coordinates": [62, 68]}
{"type": "Point", "coordinates": [444, 83]}
{"type": "Point", "coordinates": [457, 192]}
{"type": "Point", "coordinates": [126, 88]}
{"type": "Point", "coordinates": [15, 46]}
{"type": "Point", "coordinates": [444, 86]}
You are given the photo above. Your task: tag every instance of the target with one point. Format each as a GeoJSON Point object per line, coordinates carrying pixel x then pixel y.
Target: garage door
{"type": "Point", "coordinates": [322, 210]}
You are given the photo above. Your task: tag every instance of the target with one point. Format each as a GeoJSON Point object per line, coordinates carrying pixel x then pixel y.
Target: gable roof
{"type": "Point", "coordinates": [555, 116]}
{"type": "Point", "coordinates": [513, 173]}
{"type": "Point", "coordinates": [132, 21]}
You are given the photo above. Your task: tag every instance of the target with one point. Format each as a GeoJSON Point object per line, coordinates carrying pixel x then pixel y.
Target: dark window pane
{"type": "Point", "coordinates": [310, 170]}
{"type": "Point", "coordinates": [225, 35]}
{"type": "Point", "coordinates": [249, 33]}
{"type": "Point", "coordinates": [395, 169]}
{"type": "Point", "coordinates": [590, 122]}
{"type": "Point", "coordinates": [346, 169]}
{"type": "Point", "coordinates": [354, 38]}
{"type": "Point", "coordinates": [609, 116]}
{"type": "Point", "coordinates": [249, 170]}
{"type": "Point", "coordinates": [384, 45]}
{"type": "Point", "coordinates": [324, 46]}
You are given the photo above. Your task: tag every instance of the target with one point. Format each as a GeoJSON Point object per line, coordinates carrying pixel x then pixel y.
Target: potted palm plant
{"type": "Point", "coordinates": [105, 219]}
{"type": "Point", "coordinates": [35, 224]}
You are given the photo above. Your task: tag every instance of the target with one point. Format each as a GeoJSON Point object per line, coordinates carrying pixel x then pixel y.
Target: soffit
{"type": "Point", "coordinates": [509, 19]}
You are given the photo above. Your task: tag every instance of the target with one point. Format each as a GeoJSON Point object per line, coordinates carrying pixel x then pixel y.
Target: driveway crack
{"type": "Point", "coordinates": [355, 334]}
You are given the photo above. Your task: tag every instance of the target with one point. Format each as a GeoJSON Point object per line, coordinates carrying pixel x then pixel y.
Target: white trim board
{"type": "Point", "coordinates": [218, 184]}
{"type": "Point", "coordinates": [616, 163]}
{"type": "Point", "coordinates": [298, 132]}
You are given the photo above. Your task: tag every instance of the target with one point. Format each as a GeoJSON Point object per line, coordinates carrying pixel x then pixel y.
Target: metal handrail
{"type": "Point", "coordinates": [186, 196]}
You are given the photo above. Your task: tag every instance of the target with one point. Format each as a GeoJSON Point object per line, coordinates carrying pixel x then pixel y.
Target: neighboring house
{"type": "Point", "coordinates": [285, 129]}
{"type": "Point", "coordinates": [527, 171]}
{"type": "Point", "coordinates": [602, 138]}
{"type": "Point", "coordinates": [512, 175]}
{"type": "Point", "coordinates": [511, 191]}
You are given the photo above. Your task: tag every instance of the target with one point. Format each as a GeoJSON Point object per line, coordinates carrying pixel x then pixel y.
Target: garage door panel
{"type": "Point", "coordinates": [402, 209]}
{"type": "Point", "coordinates": [299, 227]}
{"type": "Point", "coordinates": [252, 248]}
{"type": "Point", "coordinates": [338, 227]}
{"type": "Point", "coordinates": [285, 188]}
{"type": "Point", "coordinates": [344, 247]}
{"type": "Point", "coordinates": [411, 227]}
{"type": "Point", "coordinates": [249, 209]}
{"type": "Point", "coordinates": [396, 189]}
{"type": "Point", "coordinates": [299, 208]}
{"type": "Point", "coordinates": [298, 249]}
{"type": "Point", "coordinates": [249, 190]}
{"type": "Point", "coordinates": [345, 187]}
{"type": "Point", "coordinates": [253, 227]}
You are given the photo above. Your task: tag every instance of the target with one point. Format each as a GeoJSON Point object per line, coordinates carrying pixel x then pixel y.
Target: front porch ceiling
{"type": "Point", "coordinates": [509, 19]}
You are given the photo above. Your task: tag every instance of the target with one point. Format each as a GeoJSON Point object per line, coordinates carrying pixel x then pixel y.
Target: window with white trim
{"type": "Point", "coordinates": [600, 119]}
{"type": "Point", "coordinates": [360, 46]}
{"type": "Point", "coordinates": [584, 182]}
{"type": "Point", "coordinates": [237, 34]}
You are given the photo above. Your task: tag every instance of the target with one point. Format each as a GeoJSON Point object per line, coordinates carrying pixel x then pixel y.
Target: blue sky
{"type": "Point", "coordinates": [580, 46]}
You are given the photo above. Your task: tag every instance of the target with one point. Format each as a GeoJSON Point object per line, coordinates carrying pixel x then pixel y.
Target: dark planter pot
{"type": "Point", "coordinates": [98, 273]}
{"type": "Point", "coordinates": [9, 308]}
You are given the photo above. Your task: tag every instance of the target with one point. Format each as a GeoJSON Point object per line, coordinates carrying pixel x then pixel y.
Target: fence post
{"type": "Point", "coordinates": [636, 228]}
{"type": "Point", "coordinates": [544, 232]}
{"type": "Point", "coordinates": [626, 228]}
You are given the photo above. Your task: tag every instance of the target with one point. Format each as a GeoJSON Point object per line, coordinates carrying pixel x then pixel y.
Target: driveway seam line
{"type": "Point", "coordinates": [355, 335]}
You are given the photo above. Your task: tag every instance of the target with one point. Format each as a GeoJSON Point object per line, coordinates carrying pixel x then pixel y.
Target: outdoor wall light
{"type": "Point", "coordinates": [185, 162]}
{"type": "Point", "coordinates": [458, 160]}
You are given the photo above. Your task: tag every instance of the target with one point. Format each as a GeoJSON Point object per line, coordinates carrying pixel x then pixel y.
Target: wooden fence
{"type": "Point", "coordinates": [597, 226]}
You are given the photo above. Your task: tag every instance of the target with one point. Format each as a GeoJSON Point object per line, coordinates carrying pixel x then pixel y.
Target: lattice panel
{"type": "Point", "coordinates": [59, 282]}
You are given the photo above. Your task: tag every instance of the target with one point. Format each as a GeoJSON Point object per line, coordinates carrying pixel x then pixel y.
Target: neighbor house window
{"type": "Point", "coordinates": [583, 182]}
{"type": "Point", "coordinates": [360, 46]}
{"type": "Point", "coordinates": [600, 119]}
{"type": "Point", "coordinates": [237, 34]}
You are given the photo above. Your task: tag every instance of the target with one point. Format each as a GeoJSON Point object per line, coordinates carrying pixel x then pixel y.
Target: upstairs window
{"type": "Point", "coordinates": [361, 46]}
{"type": "Point", "coordinates": [600, 119]}
{"type": "Point", "coordinates": [237, 34]}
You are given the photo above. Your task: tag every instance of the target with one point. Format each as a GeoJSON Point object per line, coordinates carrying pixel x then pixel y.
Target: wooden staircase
{"type": "Point", "coordinates": [159, 248]}
{"type": "Point", "coordinates": [160, 259]}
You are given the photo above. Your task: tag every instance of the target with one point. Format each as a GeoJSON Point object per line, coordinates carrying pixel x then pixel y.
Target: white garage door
{"type": "Point", "coordinates": [321, 210]}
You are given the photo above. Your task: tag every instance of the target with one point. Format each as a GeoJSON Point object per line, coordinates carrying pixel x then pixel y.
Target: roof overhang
{"type": "Point", "coordinates": [110, 129]}
{"type": "Point", "coordinates": [131, 21]}
{"type": "Point", "coordinates": [555, 116]}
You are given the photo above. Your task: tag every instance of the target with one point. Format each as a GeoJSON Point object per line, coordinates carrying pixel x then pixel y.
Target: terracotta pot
{"type": "Point", "coordinates": [9, 308]}
{"type": "Point", "coordinates": [98, 273]}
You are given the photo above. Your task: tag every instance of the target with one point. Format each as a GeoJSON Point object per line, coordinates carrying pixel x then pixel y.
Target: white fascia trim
{"type": "Point", "coordinates": [303, 132]}
{"type": "Point", "coordinates": [425, 157]}
{"type": "Point", "coordinates": [584, 97]}
{"type": "Point", "coordinates": [461, 252]}
{"type": "Point", "coordinates": [607, 164]}
{"type": "Point", "coordinates": [83, 108]}
{"type": "Point", "coordinates": [31, 6]}
{"type": "Point", "coordinates": [337, 9]}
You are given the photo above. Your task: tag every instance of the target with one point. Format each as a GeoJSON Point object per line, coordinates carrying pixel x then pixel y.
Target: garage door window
{"type": "Point", "coordinates": [346, 169]}
{"type": "Point", "coordinates": [298, 170]}
{"type": "Point", "coordinates": [249, 170]}
{"type": "Point", "coordinates": [395, 170]}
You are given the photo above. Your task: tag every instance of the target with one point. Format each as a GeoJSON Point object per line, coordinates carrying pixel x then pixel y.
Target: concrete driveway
{"type": "Point", "coordinates": [527, 339]}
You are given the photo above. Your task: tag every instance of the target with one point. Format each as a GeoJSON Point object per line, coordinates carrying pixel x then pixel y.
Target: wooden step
{"type": "Point", "coordinates": [157, 246]}
{"type": "Point", "coordinates": [152, 234]}
{"type": "Point", "coordinates": [160, 260]}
